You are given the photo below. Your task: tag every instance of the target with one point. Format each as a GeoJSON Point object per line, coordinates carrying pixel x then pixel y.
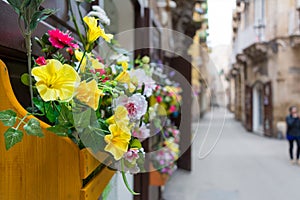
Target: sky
{"type": "Point", "coordinates": [220, 19]}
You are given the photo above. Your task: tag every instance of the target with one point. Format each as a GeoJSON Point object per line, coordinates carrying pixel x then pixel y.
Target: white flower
{"type": "Point", "coordinates": [119, 58]}
{"type": "Point", "coordinates": [141, 132]}
{"type": "Point", "coordinates": [136, 105]}
{"type": "Point", "coordinates": [152, 112]}
{"type": "Point", "coordinates": [100, 14]}
{"type": "Point", "coordinates": [139, 77]}
{"type": "Point", "coordinates": [113, 69]}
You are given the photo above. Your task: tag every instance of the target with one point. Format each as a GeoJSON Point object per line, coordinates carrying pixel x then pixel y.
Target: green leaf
{"type": "Point", "coordinates": [12, 137]}
{"type": "Point", "coordinates": [39, 16]}
{"type": "Point", "coordinates": [45, 38]}
{"type": "Point", "coordinates": [8, 117]}
{"type": "Point", "coordinates": [36, 4]}
{"type": "Point", "coordinates": [51, 112]}
{"type": "Point", "coordinates": [33, 127]}
{"type": "Point", "coordinates": [59, 130]}
{"type": "Point", "coordinates": [25, 4]}
{"type": "Point", "coordinates": [82, 119]}
{"type": "Point", "coordinates": [25, 79]}
{"type": "Point", "coordinates": [39, 104]}
{"type": "Point", "coordinates": [60, 57]}
{"type": "Point", "coordinates": [39, 42]}
{"type": "Point", "coordinates": [135, 143]}
{"type": "Point", "coordinates": [92, 138]}
{"type": "Point", "coordinates": [66, 116]}
{"type": "Point", "coordinates": [47, 109]}
{"type": "Point", "coordinates": [16, 4]}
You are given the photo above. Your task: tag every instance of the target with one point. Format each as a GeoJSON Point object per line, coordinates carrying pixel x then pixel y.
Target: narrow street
{"type": "Point", "coordinates": [243, 166]}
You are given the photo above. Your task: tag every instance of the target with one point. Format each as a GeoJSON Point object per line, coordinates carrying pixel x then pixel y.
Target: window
{"type": "Point", "coordinates": [259, 12]}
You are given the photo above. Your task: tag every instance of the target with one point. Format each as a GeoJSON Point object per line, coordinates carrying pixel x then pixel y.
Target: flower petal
{"type": "Point", "coordinates": [55, 81]}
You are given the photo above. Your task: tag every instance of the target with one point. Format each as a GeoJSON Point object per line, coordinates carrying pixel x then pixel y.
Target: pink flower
{"type": "Point", "coordinates": [136, 105]}
{"type": "Point", "coordinates": [60, 39]}
{"type": "Point", "coordinates": [101, 71]}
{"type": "Point", "coordinates": [100, 59]}
{"type": "Point", "coordinates": [131, 155]}
{"type": "Point", "coordinates": [159, 99]}
{"type": "Point", "coordinates": [172, 109]}
{"type": "Point", "coordinates": [41, 60]}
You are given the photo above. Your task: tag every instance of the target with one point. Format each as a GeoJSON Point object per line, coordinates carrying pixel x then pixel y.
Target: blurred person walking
{"type": "Point", "coordinates": [293, 132]}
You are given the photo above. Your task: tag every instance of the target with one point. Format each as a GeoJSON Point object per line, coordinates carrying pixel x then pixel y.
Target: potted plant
{"type": "Point", "coordinates": [95, 105]}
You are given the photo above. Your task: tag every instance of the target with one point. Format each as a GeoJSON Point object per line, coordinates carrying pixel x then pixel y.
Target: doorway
{"type": "Point", "coordinates": [258, 109]}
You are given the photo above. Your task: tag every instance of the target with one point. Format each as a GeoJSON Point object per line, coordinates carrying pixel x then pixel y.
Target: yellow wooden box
{"type": "Point", "coordinates": [49, 168]}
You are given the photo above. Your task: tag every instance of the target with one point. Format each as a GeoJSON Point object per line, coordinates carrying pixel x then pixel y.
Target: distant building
{"type": "Point", "coordinates": [265, 71]}
{"type": "Point", "coordinates": [200, 59]}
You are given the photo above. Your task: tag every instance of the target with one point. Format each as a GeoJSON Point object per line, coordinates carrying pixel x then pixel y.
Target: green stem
{"type": "Point", "coordinates": [75, 23]}
{"type": "Point", "coordinates": [125, 179]}
{"type": "Point", "coordinates": [28, 48]}
{"type": "Point", "coordinates": [81, 16]}
{"type": "Point", "coordinates": [81, 60]}
{"type": "Point", "coordinates": [101, 130]}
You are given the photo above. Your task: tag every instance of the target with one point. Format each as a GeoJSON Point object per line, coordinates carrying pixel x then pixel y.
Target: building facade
{"type": "Point", "coordinates": [265, 64]}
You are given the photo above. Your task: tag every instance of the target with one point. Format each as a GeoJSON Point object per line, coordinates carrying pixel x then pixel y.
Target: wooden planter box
{"type": "Point", "coordinates": [45, 168]}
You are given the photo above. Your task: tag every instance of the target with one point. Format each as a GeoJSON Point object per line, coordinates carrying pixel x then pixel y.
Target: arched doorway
{"type": "Point", "coordinates": [258, 108]}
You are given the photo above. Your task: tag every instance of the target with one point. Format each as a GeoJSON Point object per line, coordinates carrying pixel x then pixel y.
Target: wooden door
{"type": "Point", "coordinates": [248, 107]}
{"type": "Point", "coordinates": [268, 109]}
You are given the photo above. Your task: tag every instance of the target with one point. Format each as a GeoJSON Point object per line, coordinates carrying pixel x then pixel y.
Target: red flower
{"type": "Point", "coordinates": [41, 60]}
{"type": "Point", "coordinates": [60, 39]}
{"type": "Point", "coordinates": [159, 99]}
{"type": "Point", "coordinates": [70, 50]}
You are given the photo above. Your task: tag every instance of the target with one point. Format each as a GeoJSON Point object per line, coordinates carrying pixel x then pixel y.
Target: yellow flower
{"type": "Point", "coordinates": [95, 31]}
{"type": "Point", "coordinates": [55, 81]}
{"type": "Point", "coordinates": [89, 93]}
{"type": "Point", "coordinates": [117, 141]}
{"type": "Point", "coordinates": [120, 118]}
{"type": "Point", "coordinates": [124, 77]}
{"type": "Point", "coordinates": [78, 56]}
{"type": "Point", "coordinates": [173, 147]}
{"type": "Point", "coordinates": [95, 63]}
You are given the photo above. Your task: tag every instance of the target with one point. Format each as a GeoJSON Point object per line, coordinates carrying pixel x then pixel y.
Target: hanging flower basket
{"type": "Point", "coordinates": [52, 167]}
{"type": "Point", "coordinates": [157, 178]}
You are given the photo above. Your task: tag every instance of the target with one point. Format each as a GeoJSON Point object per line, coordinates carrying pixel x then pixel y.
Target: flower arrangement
{"type": "Point", "coordinates": [168, 97]}
{"type": "Point", "coordinates": [104, 104]}
{"type": "Point", "coordinates": [165, 157]}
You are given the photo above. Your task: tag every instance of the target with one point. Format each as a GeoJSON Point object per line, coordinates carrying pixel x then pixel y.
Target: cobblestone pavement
{"type": "Point", "coordinates": [243, 166]}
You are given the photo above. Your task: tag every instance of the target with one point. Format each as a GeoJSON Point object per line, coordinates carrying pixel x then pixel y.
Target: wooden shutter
{"type": "Point", "coordinates": [268, 109]}
{"type": "Point", "coordinates": [248, 107]}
